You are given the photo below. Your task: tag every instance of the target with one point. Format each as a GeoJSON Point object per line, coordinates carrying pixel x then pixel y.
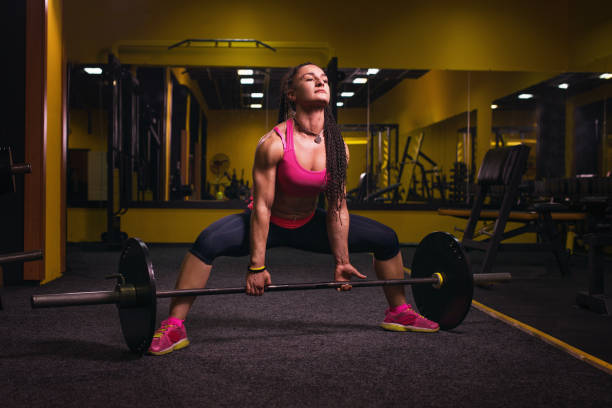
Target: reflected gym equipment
{"type": "Point", "coordinates": [441, 277]}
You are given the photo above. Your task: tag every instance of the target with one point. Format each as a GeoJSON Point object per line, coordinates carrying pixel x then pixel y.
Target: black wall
{"type": "Point", "coordinates": [13, 130]}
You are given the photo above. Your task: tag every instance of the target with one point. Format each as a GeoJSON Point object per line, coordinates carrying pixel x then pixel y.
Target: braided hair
{"type": "Point", "coordinates": [335, 152]}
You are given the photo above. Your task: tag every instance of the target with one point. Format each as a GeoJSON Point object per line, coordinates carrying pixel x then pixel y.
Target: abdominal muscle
{"type": "Point", "coordinates": [292, 207]}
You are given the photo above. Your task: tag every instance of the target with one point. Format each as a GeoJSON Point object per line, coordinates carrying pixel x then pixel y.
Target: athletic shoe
{"type": "Point", "coordinates": [167, 338]}
{"type": "Point", "coordinates": [408, 320]}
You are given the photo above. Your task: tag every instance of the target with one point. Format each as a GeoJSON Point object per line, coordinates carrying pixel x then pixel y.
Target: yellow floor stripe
{"type": "Point", "coordinates": [579, 354]}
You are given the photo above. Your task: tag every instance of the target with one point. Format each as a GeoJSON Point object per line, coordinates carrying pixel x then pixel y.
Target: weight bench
{"type": "Point", "coordinates": [504, 167]}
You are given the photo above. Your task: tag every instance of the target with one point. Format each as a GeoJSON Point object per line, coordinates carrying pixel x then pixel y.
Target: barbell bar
{"type": "Point", "coordinates": [21, 256]}
{"type": "Point", "coordinates": [441, 280]}
{"type": "Point", "coordinates": [124, 293]}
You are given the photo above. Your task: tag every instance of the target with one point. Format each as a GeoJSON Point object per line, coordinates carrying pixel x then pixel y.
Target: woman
{"type": "Point", "coordinates": [301, 157]}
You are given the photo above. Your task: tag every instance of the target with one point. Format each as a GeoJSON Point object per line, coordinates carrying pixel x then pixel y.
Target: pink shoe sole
{"type": "Point", "coordinates": [181, 344]}
{"type": "Point", "coordinates": [402, 328]}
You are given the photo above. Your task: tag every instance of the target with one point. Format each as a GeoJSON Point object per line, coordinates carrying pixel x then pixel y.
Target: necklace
{"type": "Point", "coordinates": [317, 139]}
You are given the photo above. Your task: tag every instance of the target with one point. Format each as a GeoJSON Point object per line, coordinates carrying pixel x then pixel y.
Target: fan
{"type": "Point", "coordinates": [219, 164]}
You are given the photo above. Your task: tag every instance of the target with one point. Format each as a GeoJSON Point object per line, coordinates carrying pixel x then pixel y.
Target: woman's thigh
{"type": "Point", "coordinates": [228, 236]}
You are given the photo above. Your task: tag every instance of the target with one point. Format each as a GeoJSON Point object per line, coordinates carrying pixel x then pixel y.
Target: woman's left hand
{"type": "Point", "coordinates": [344, 272]}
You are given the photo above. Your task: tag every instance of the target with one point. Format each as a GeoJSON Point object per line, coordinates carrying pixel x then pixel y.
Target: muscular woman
{"type": "Point", "coordinates": [301, 157]}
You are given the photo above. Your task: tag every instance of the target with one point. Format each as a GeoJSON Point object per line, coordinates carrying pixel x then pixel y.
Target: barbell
{"type": "Point", "coordinates": [441, 279]}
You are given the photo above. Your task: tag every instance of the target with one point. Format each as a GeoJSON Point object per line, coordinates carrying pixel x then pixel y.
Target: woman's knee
{"type": "Point", "coordinates": [228, 236]}
{"type": "Point", "coordinates": [204, 247]}
{"type": "Point", "coordinates": [387, 244]}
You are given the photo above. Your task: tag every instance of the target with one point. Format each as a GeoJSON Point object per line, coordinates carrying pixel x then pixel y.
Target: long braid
{"type": "Point", "coordinates": [334, 144]}
{"type": "Point", "coordinates": [335, 162]}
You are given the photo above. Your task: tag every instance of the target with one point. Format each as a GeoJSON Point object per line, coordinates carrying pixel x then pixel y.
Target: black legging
{"type": "Point", "coordinates": [229, 236]}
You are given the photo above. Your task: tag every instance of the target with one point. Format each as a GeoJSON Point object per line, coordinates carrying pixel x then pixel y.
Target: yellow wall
{"type": "Point", "coordinates": [590, 35]}
{"type": "Point", "coordinates": [183, 226]}
{"type": "Point", "coordinates": [445, 34]}
{"type": "Point", "coordinates": [78, 136]}
{"type": "Point", "coordinates": [54, 141]}
{"type": "Point", "coordinates": [235, 133]}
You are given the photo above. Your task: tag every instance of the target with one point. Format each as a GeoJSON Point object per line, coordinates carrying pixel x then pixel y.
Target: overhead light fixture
{"type": "Point", "coordinates": [494, 106]}
{"type": "Point", "coordinates": [245, 72]}
{"type": "Point", "coordinates": [525, 96]}
{"type": "Point", "coordinates": [606, 75]}
{"type": "Point", "coordinates": [373, 71]}
{"type": "Point", "coordinates": [93, 70]}
{"type": "Point", "coordinates": [256, 105]}
{"type": "Point", "coordinates": [347, 94]}
{"type": "Point", "coordinates": [360, 80]}
{"type": "Point", "coordinates": [339, 104]}
{"type": "Point", "coordinates": [563, 86]}
{"type": "Point", "coordinates": [247, 81]}
{"type": "Point", "coordinates": [256, 94]}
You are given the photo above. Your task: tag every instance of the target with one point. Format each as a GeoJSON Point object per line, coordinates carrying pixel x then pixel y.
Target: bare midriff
{"type": "Point", "coordinates": [293, 208]}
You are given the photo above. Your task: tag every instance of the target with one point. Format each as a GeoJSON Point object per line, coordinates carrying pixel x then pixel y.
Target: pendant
{"type": "Point", "coordinates": [317, 139]}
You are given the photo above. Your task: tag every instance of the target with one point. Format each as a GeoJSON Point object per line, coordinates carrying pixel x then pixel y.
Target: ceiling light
{"type": "Point", "coordinates": [373, 71]}
{"type": "Point", "coordinates": [494, 106]}
{"type": "Point", "coordinates": [525, 96]}
{"type": "Point", "coordinates": [256, 94]}
{"type": "Point", "coordinates": [563, 86]}
{"type": "Point", "coordinates": [247, 81]}
{"type": "Point", "coordinates": [606, 75]}
{"type": "Point", "coordinates": [256, 105]}
{"type": "Point", "coordinates": [242, 72]}
{"type": "Point", "coordinates": [347, 94]}
{"type": "Point", "coordinates": [339, 103]}
{"type": "Point", "coordinates": [93, 70]}
{"type": "Point", "coordinates": [360, 80]}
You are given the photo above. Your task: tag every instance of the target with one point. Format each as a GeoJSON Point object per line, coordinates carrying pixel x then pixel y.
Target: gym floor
{"type": "Point", "coordinates": [313, 348]}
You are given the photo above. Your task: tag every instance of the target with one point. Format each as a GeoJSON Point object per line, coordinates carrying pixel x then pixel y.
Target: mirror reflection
{"type": "Point", "coordinates": [188, 134]}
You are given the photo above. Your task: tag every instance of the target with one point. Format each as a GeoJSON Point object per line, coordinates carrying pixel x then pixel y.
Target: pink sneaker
{"type": "Point", "coordinates": [167, 338]}
{"type": "Point", "coordinates": [408, 320]}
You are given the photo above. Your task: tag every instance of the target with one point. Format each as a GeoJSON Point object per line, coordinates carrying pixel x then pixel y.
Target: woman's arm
{"type": "Point", "coordinates": [337, 231]}
{"type": "Point", "coordinates": [269, 152]}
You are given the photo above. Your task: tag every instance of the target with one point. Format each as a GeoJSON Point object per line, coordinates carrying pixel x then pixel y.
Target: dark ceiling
{"type": "Point", "coordinates": [549, 92]}
{"type": "Point", "coordinates": [222, 88]}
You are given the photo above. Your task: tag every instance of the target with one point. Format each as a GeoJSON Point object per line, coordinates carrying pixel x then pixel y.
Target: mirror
{"type": "Point", "coordinates": [187, 135]}
{"type": "Point", "coordinates": [563, 119]}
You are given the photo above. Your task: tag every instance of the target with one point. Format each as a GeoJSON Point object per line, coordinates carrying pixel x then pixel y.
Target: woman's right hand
{"type": "Point", "coordinates": [255, 282]}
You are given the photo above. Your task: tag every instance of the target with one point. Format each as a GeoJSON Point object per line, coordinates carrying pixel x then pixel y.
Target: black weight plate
{"type": "Point", "coordinates": [138, 319]}
{"type": "Point", "coordinates": [448, 306]}
{"type": "Point", "coordinates": [7, 179]}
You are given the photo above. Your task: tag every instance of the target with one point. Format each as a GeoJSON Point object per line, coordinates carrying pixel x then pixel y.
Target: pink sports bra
{"type": "Point", "coordinates": [291, 177]}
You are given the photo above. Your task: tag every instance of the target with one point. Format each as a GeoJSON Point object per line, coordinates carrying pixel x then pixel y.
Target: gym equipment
{"type": "Point", "coordinates": [8, 169]}
{"type": "Point", "coordinates": [442, 288]}
{"type": "Point", "coordinates": [21, 256]}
